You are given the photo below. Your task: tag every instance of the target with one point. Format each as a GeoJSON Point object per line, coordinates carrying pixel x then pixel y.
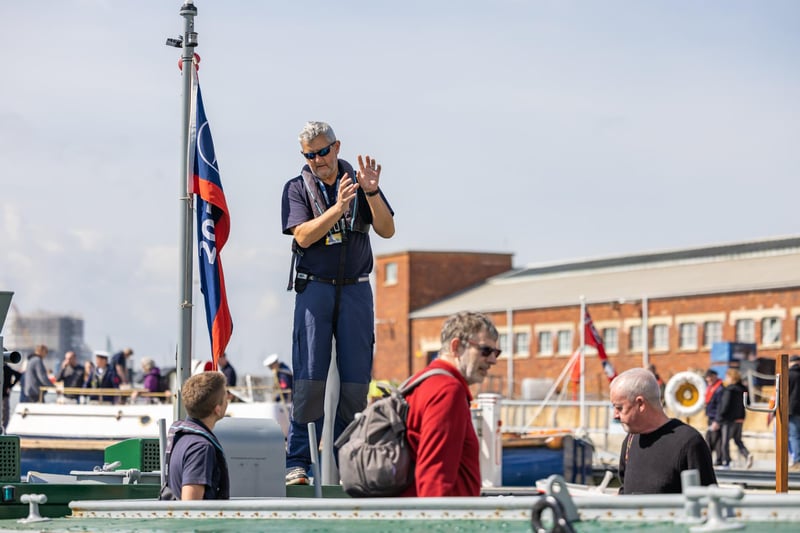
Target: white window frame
{"type": "Point", "coordinates": [745, 330]}
{"type": "Point", "coordinates": [522, 343]}
{"type": "Point", "coordinates": [507, 345]}
{"type": "Point", "coordinates": [687, 336]}
{"type": "Point", "coordinates": [611, 339]}
{"type": "Point", "coordinates": [564, 342]}
{"type": "Point", "coordinates": [797, 329]}
{"type": "Point", "coordinates": [635, 338]}
{"type": "Point", "coordinates": [660, 337]}
{"type": "Point", "coordinates": [707, 340]}
{"type": "Point", "coordinates": [553, 328]}
{"type": "Point", "coordinates": [390, 273]}
{"type": "Point", "coordinates": [502, 341]}
{"type": "Point", "coordinates": [771, 332]}
{"type": "Point", "coordinates": [545, 347]}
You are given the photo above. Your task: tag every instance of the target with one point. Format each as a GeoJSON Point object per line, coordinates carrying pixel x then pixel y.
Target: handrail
{"type": "Point", "coordinates": [86, 391]}
{"type": "Point", "coordinates": [272, 388]}
{"type": "Point", "coordinates": [751, 406]}
{"type": "Point", "coordinates": [143, 393]}
{"type": "Point", "coordinates": [781, 411]}
{"type": "Point", "coordinates": [246, 395]}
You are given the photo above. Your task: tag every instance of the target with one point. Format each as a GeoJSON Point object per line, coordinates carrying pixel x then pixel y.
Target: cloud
{"type": "Point", "coordinates": [11, 223]}
{"type": "Point", "coordinates": [157, 262]}
{"type": "Point", "coordinates": [89, 239]}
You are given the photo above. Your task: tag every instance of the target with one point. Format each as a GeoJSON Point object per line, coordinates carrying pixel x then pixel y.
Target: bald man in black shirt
{"type": "Point", "coordinates": [657, 448]}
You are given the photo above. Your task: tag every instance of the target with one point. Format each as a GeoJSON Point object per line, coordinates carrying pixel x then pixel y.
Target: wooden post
{"type": "Point", "coordinates": [781, 426]}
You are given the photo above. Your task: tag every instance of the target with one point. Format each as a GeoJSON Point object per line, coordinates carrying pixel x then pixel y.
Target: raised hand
{"type": "Point", "coordinates": [368, 174]}
{"type": "Point", "coordinates": [346, 193]}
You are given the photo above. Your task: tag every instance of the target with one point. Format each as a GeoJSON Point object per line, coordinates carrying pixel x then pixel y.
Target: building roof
{"type": "Point", "coordinates": [747, 266]}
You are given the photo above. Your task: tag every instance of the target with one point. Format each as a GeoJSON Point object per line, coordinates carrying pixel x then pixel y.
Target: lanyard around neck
{"type": "Point", "coordinates": [324, 190]}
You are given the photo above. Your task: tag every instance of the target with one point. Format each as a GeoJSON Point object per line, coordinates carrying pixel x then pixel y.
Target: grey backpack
{"type": "Point", "coordinates": [374, 459]}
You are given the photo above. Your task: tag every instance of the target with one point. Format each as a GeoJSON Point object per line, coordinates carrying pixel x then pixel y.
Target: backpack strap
{"type": "Point", "coordinates": [408, 385]}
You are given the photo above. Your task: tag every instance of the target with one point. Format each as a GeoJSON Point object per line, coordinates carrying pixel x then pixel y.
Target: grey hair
{"type": "Point", "coordinates": [464, 325]}
{"type": "Point", "coordinates": [314, 129]}
{"type": "Point", "coordinates": [638, 382]}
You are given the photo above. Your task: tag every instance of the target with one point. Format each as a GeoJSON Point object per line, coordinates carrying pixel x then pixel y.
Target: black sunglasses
{"type": "Point", "coordinates": [486, 351]}
{"type": "Point", "coordinates": [322, 153]}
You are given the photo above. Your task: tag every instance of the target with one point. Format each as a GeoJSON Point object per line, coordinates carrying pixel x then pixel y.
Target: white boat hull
{"type": "Point", "coordinates": [115, 422]}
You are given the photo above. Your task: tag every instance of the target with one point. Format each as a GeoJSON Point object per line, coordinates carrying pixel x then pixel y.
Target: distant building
{"type": "Point", "coordinates": [60, 333]}
{"type": "Point", "coordinates": [744, 292]}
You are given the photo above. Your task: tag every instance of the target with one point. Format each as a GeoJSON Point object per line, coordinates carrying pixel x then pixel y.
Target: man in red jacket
{"type": "Point", "coordinates": [440, 433]}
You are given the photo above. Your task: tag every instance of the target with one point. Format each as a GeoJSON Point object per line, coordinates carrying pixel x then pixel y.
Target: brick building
{"type": "Point", "coordinates": [689, 299]}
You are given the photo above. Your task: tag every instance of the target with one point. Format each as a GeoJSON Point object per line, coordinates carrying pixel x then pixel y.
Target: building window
{"type": "Point", "coordinates": [745, 330]}
{"type": "Point", "coordinates": [545, 343]}
{"type": "Point", "coordinates": [688, 336]}
{"type": "Point", "coordinates": [661, 337]}
{"type": "Point", "coordinates": [611, 340]}
{"type": "Point", "coordinates": [797, 329]}
{"type": "Point", "coordinates": [712, 332]}
{"type": "Point", "coordinates": [771, 331]}
{"type": "Point", "coordinates": [390, 277]}
{"type": "Point", "coordinates": [564, 342]}
{"type": "Point", "coordinates": [522, 343]}
{"type": "Point", "coordinates": [635, 338]}
{"type": "Point", "coordinates": [502, 343]}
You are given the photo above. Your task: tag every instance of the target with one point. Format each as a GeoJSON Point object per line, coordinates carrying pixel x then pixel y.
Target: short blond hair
{"type": "Point", "coordinates": [203, 392]}
{"type": "Point", "coordinates": [733, 376]}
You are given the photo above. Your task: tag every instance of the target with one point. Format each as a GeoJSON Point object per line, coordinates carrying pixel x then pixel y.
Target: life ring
{"type": "Point", "coordinates": [685, 393]}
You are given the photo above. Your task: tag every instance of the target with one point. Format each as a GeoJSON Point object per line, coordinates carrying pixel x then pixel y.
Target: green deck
{"type": "Point", "coordinates": [59, 495]}
{"type": "Point", "coordinates": [350, 526]}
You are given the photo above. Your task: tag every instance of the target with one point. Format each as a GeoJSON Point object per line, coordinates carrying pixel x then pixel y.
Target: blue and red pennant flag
{"type": "Point", "coordinates": [593, 338]}
{"type": "Point", "coordinates": [213, 227]}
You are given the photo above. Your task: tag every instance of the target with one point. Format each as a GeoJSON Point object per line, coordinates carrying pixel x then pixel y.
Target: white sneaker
{"type": "Point", "coordinates": [296, 476]}
{"type": "Point", "coordinates": [749, 462]}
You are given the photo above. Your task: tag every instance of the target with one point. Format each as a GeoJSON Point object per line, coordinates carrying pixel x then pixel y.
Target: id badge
{"type": "Point", "coordinates": [333, 238]}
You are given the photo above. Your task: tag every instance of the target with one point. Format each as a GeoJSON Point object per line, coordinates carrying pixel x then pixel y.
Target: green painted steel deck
{"type": "Point", "coordinates": [351, 526]}
{"type": "Point", "coordinates": [59, 496]}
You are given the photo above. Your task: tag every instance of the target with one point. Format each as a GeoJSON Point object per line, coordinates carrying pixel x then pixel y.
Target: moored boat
{"type": "Point", "coordinates": [60, 437]}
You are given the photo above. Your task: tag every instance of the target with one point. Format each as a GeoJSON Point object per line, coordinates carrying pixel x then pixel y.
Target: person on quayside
{"type": "Point", "coordinates": [657, 448]}
{"type": "Point", "coordinates": [442, 440]}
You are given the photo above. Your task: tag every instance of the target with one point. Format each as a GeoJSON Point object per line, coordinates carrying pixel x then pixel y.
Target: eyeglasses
{"type": "Point", "coordinates": [486, 351]}
{"type": "Point", "coordinates": [322, 153]}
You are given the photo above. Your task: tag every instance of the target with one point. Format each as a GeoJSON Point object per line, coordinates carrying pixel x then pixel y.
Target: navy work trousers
{"type": "Point", "coordinates": [312, 345]}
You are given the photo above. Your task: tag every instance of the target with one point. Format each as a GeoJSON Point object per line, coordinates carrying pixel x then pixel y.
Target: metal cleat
{"type": "Point", "coordinates": [108, 467]}
{"type": "Point", "coordinates": [691, 478]}
{"type": "Point", "coordinates": [716, 509]}
{"type": "Point", "coordinates": [33, 511]}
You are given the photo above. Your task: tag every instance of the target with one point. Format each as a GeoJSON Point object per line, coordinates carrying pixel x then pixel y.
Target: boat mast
{"type": "Point", "coordinates": [183, 357]}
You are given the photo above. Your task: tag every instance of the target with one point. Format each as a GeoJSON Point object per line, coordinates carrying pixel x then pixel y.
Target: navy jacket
{"type": "Point", "coordinates": [794, 390]}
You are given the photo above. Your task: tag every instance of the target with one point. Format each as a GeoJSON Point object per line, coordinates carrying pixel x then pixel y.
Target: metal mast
{"type": "Point", "coordinates": [186, 244]}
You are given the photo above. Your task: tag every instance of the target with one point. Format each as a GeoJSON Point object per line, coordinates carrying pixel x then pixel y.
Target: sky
{"type": "Point", "coordinates": [553, 130]}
